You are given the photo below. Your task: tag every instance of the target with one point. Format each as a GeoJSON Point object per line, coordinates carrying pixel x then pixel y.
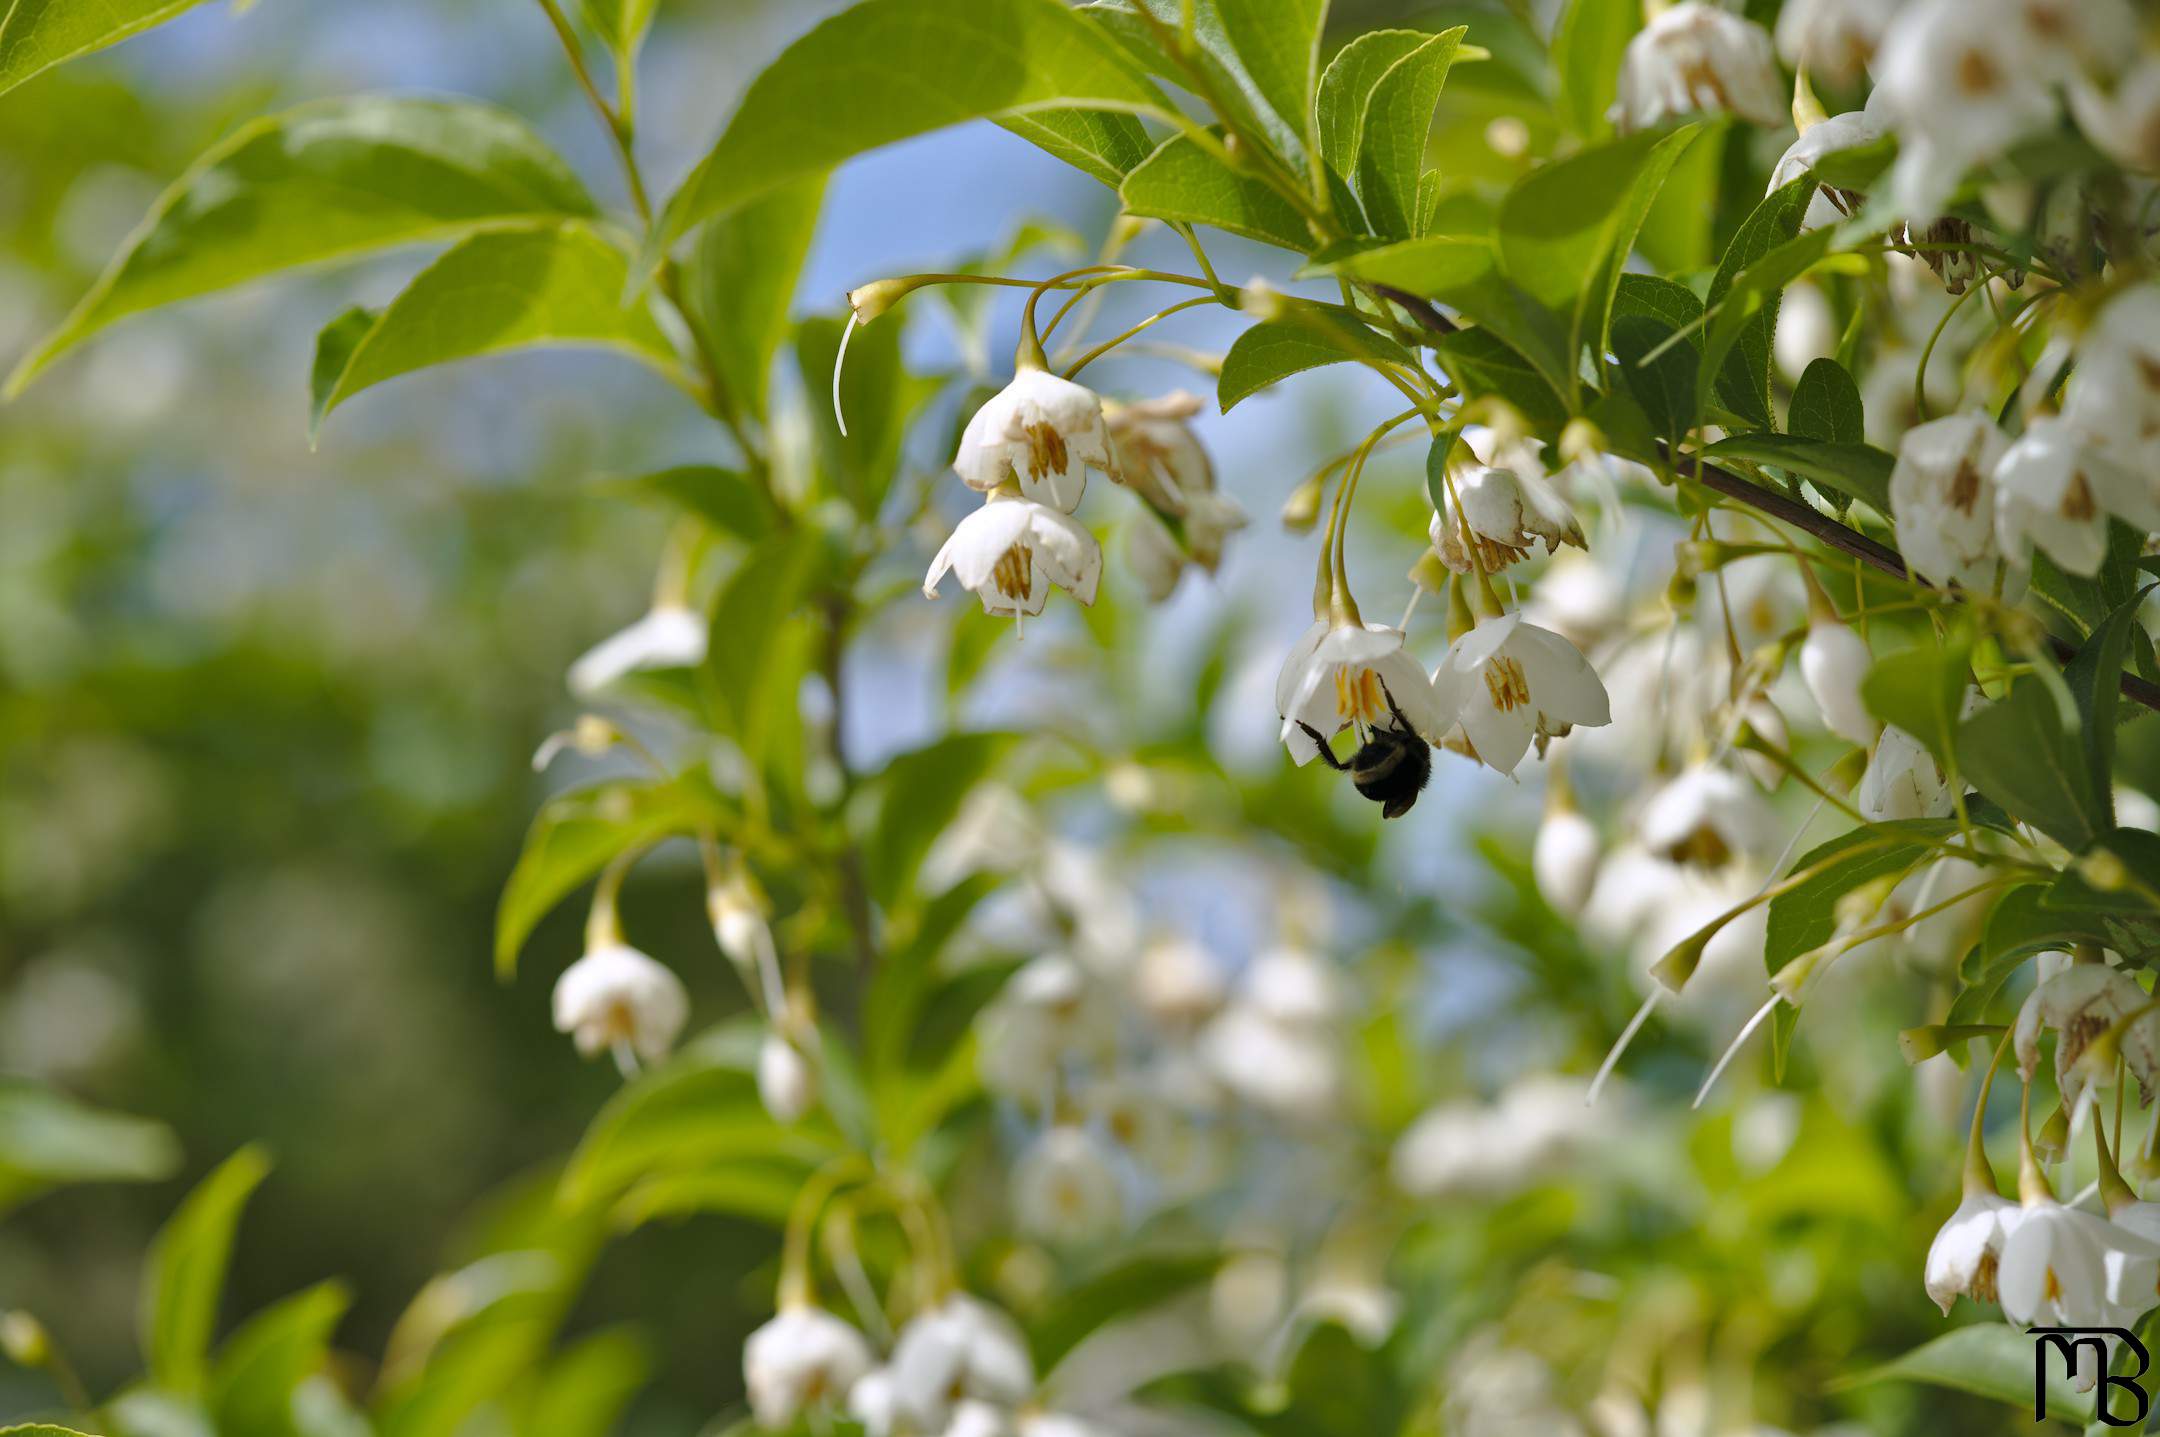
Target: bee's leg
{"type": "Point", "coordinates": [1327, 755]}
{"type": "Point", "coordinates": [1393, 707]}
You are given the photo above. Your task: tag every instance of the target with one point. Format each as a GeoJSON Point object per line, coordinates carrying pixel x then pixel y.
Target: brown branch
{"type": "Point", "coordinates": [1820, 526]}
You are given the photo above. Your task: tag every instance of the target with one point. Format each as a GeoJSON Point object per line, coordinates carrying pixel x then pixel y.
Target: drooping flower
{"type": "Point", "coordinates": [1848, 131]}
{"type": "Point", "coordinates": [670, 636]}
{"type": "Point", "coordinates": [1275, 1046]}
{"type": "Point", "coordinates": [1833, 40]}
{"type": "Point", "coordinates": [2123, 121]}
{"type": "Point", "coordinates": [1578, 598]}
{"type": "Point", "coordinates": [1343, 673]}
{"type": "Point", "coordinates": [2065, 1267]}
{"type": "Point", "coordinates": [1049, 1011]}
{"type": "Point", "coordinates": [1502, 513]}
{"type": "Point", "coordinates": [961, 1349]}
{"type": "Point", "coordinates": [1564, 859]}
{"type": "Point", "coordinates": [787, 1080]}
{"type": "Point", "coordinates": [2051, 493]}
{"type": "Point", "coordinates": [1160, 458]}
{"type": "Point", "coordinates": [615, 996]}
{"type": "Point", "coordinates": [803, 1361]}
{"type": "Point", "coordinates": [1012, 550]}
{"type": "Point", "coordinates": [1507, 682]}
{"type": "Point", "coordinates": [2111, 400]}
{"type": "Point", "coordinates": [1179, 984]}
{"type": "Point", "coordinates": [1696, 57]}
{"type": "Point", "coordinates": [1942, 497]}
{"type": "Point", "coordinates": [1833, 661]}
{"type": "Point", "coordinates": [1708, 815]}
{"type": "Point", "coordinates": [1044, 432]}
{"type": "Point", "coordinates": [1966, 1255]}
{"type": "Point", "coordinates": [2080, 1003]}
{"type": "Point", "coordinates": [737, 909]}
{"type": "Point", "coordinates": [1065, 1189]}
{"type": "Point", "coordinates": [1902, 780]}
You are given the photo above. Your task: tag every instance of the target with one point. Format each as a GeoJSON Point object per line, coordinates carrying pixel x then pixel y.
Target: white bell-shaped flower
{"type": "Point", "coordinates": [1902, 780]}
{"type": "Point", "coordinates": [2051, 493]}
{"type": "Point", "coordinates": [1833, 40]}
{"type": "Point", "coordinates": [1564, 860]}
{"type": "Point", "coordinates": [1966, 1255]}
{"type": "Point", "coordinates": [2111, 400]}
{"type": "Point", "coordinates": [2078, 1004]}
{"type": "Point", "coordinates": [1833, 662]}
{"type": "Point", "coordinates": [2123, 120]}
{"type": "Point", "coordinates": [1708, 815]}
{"type": "Point", "coordinates": [1291, 1071]}
{"type": "Point", "coordinates": [874, 1405]}
{"type": "Point", "coordinates": [804, 1361]}
{"type": "Point", "coordinates": [1507, 682]}
{"type": "Point", "coordinates": [1058, 1424]}
{"type": "Point", "coordinates": [1065, 1189]}
{"type": "Point", "coordinates": [961, 1349]}
{"type": "Point", "coordinates": [1345, 674]}
{"type": "Point", "coordinates": [1012, 550]}
{"type": "Point", "coordinates": [737, 910]}
{"type": "Point", "coordinates": [1159, 457]}
{"type": "Point", "coordinates": [617, 997]}
{"type": "Point", "coordinates": [670, 636]}
{"type": "Point", "coordinates": [1695, 57]}
{"type": "Point", "coordinates": [787, 1079]}
{"type": "Point", "coordinates": [1848, 131]}
{"type": "Point", "coordinates": [1050, 1012]}
{"type": "Point", "coordinates": [2065, 1267]}
{"type": "Point", "coordinates": [1942, 497]}
{"type": "Point", "coordinates": [973, 1418]}
{"type": "Point", "coordinates": [1044, 432]}
{"type": "Point", "coordinates": [1179, 984]}
{"type": "Point", "coordinates": [1503, 513]}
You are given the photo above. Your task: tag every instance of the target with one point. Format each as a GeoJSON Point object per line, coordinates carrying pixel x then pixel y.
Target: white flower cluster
{"type": "Point", "coordinates": [1028, 452]}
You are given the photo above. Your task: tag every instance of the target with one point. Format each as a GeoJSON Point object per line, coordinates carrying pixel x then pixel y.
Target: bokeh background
{"type": "Point", "coordinates": [266, 711]}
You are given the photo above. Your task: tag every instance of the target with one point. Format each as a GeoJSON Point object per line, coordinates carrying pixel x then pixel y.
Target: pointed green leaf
{"type": "Point", "coordinates": [555, 286]}
{"type": "Point", "coordinates": [263, 1364]}
{"type": "Point", "coordinates": [334, 346]}
{"type": "Point", "coordinates": [2020, 753]}
{"type": "Point", "coordinates": [1772, 223]}
{"type": "Point", "coordinates": [39, 34]}
{"type": "Point", "coordinates": [1858, 471]}
{"type": "Point", "coordinates": [1104, 144]}
{"type": "Point", "coordinates": [1279, 43]}
{"type": "Point", "coordinates": [48, 1139]}
{"type": "Point", "coordinates": [888, 69]}
{"type": "Point", "coordinates": [1922, 691]}
{"type": "Point", "coordinates": [324, 182]}
{"type": "Point", "coordinates": [1183, 182]}
{"type": "Point", "coordinates": [620, 24]}
{"type": "Point", "coordinates": [1988, 1359]}
{"type": "Point", "coordinates": [1826, 405]}
{"type": "Point", "coordinates": [1346, 88]}
{"type": "Point", "coordinates": [1278, 348]}
{"type": "Point", "coordinates": [1398, 123]}
{"type": "Point", "coordinates": [2095, 679]}
{"type": "Point", "coordinates": [739, 284]}
{"type": "Point", "coordinates": [1803, 917]}
{"type": "Point", "coordinates": [184, 1275]}
{"type": "Point", "coordinates": [1587, 47]}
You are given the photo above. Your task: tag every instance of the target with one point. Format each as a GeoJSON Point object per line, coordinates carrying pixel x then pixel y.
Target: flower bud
{"type": "Point", "coordinates": [1564, 860]}
{"type": "Point", "coordinates": [2053, 1139]}
{"type": "Point", "coordinates": [24, 1339]}
{"type": "Point", "coordinates": [787, 1083]}
{"type": "Point", "coordinates": [1429, 573]}
{"type": "Point", "coordinates": [1302, 509]}
{"type": "Point", "coordinates": [1262, 300]}
{"type": "Point", "coordinates": [2104, 871]}
{"type": "Point", "coordinates": [1833, 661]}
{"type": "Point", "coordinates": [873, 299]}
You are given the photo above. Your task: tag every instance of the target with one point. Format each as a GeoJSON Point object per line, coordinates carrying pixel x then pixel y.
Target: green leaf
{"type": "Point", "coordinates": [334, 346]}
{"type": "Point", "coordinates": [1346, 89]}
{"type": "Point", "coordinates": [1744, 316]}
{"type": "Point", "coordinates": [184, 1275]}
{"type": "Point", "coordinates": [1480, 362]}
{"type": "Point", "coordinates": [1129, 1289]}
{"type": "Point", "coordinates": [747, 617]}
{"type": "Point", "coordinates": [1987, 1359]}
{"type": "Point", "coordinates": [919, 793]}
{"type": "Point", "coordinates": [1397, 126]}
{"type": "Point", "coordinates": [584, 1392]}
{"type": "Point", "coordinates": [2095, 679]}
{"type": "Point", "coordinates": [1826, 405]}
{"type": "Point", "coordinates": [1804, 917]}
{"type": "Point", "coordinates": [574, 836]}
{"type": "Point", "coordinates": [48, 1139]}
{"type": "Point", "coordinates": [39, 34]}
{"type": "Point", "coordinates": [1922, 691]}
{"type": "Point", "coordinates": [1142, 28]}
{"type": "Point", "coordinates": [1770, 225]}
{"type": "Point", "coordinates": [888, 69]}
{"type": "Point", "coordinates": [1858, 471]}
{"type": "Point", "coordinates": [620, 24]}
{"type": "Point", "coordinates": [324, 182]}
{"type": "Point", "coordinates": [1431, 267]}
{"type": "Point", "coordinates": [739, 284]}
{"type": "Point", "coordinates": [1566, 230]}
{"type": "Point", "coordinates": [727, 499]}
{"type": "Point", "coordinates": [1102, 144]}
{"type": "Point", "coordinates": [561, 285]}
{"type": "Point", "coordinates": [40, 1429]}
{"type": "Point", "coordinates": [2020, 753]}
{"type": "Point", "coordinates": [1665, 385]}
{"type": "Point", "coordinates": [262, 1365]}
{"type": "Point", "coordinates": [1279, 43]}
{"type": "Point", "coordinates": [1183, 182]}
{"type": "Point", "coordinates": [1587, 48]}
{"type": "Point", "coordinates": [1275, 349]}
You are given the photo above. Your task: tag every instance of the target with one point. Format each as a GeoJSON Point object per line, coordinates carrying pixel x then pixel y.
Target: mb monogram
{"type": "Point", "coordinates": [2067, 1340]}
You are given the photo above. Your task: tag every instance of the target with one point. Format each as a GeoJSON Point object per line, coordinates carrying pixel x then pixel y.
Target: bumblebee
{"type": "Point", "coordinates": [1391, 767]}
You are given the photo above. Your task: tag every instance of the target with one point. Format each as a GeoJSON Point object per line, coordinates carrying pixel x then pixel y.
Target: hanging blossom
{"type": "Point", "coordinates": [959, 1352]}
{"type": "Point", "coordinates": [1507, 682]}
{"type": "Point", "coordinates": [615, 997]}
{"type": "Point", "coordinates": [1044, 432]}
{"type": "Point", "coordinates": [1065, 1189]}
{"type": "Point", "coordinates": [2053, 494]}
{"type": "Point", "coordinates": [1696, 57]}
{"type": "Point", "coordinates": [670, 636]}
{"type": "Point", "coordinates": [1502, 513]}
{"type": "Point", "coordinates": [1833, 662]}
{"type": "Point", "coordinates": [1708, 815]}
{"type": "Point", "coordinates": [804, 1361]}
{"type": "Point", "coordinates": [2079, 1004]}
{"type": "Point", "coordinates": [1942, 499]}
{"type": "Point", "coordinates": [1012, 550]}
{"type": "Point", "coordinates": [1849, 131]}
{"type": "Point", "coordinates": [1276, 1046]}
{"type": "Point", "coordinates": [1833, 40]}
{"type": "Point", "coordinates": [1163, 462]}
{"type": "Point", "coordinates": [1342, 673]}
{"type": "Point", "coordinates": [2111, 401]}
{"type": "Point", "coordinates": [1902, 780]}
{"type": "Point", "coordinates": [2122, 117]}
